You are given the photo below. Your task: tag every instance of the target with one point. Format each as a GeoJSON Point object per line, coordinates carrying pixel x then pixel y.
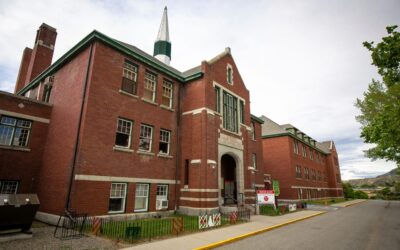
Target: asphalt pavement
{"type": "Point", "coordinates": [368, 225]}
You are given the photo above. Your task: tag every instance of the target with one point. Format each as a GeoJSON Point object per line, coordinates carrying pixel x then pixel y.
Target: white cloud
{"type": "Point", "coordinates": [302, 61]}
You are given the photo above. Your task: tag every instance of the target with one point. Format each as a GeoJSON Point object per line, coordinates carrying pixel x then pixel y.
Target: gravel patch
{"type": "Point", "coordinates": [43, 239]}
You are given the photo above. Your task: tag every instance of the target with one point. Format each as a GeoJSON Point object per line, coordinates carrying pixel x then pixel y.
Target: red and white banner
{"type": "Point", "coordinates": [265, 197]}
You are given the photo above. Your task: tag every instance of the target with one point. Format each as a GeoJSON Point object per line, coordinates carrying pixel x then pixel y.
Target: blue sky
{"type": "Point", "coordinates": [303, 61]}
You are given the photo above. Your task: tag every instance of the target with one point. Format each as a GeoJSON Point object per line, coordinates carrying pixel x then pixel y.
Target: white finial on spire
{"type": "Point", "coordinates": [162, 46]}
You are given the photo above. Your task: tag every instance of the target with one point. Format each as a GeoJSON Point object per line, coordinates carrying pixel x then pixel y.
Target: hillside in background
{"type": "Point", "coordinates": [379, 181]}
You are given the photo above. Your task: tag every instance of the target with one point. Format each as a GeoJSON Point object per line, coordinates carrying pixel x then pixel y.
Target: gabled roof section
{"type": "Point", "coordinates": [255, 118]}
{"type": "Point", "coordinates": [272, 129]}
{"type": "Point", "coordinates": [122, 47]}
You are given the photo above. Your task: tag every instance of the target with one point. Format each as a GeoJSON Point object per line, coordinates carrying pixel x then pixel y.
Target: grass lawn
{"type": "Point", "coordinates": [327, 201]}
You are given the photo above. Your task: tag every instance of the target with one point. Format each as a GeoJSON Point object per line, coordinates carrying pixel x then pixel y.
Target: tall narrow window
{"type": "Point", "coordinates": [186, 179]}
{"type": "Point", "coordinates": [304, 151]}
{"type": "Point", "coordinates": [129, 78]}
{"type": "Point", "coordinates": [164, 142]}
{"type": "Point", "coordinates": [253, 130]}
{"type": "Point", "coordinates": [167, 94]}
{"type": "Point", "coordinates": [295, 147]}
{"type": "Point", "coordinates": [142, 197]}
{"type": "Point", "coordinates": [146, 137]}
{"type": "Point", "coordinates": [311, 154]}
{"type": "Point", "coordinates": [123, 135]}
{"type": "Point", "coordinates": [229, 74]}
{"type": "Point", "coordinates": [217, 99]}
{"type": "Point", "coordinates": [8, 187]}
{"type": "Point", "coordinates": [298, 171]}
{"type": "Point", "coordinates": [14, 132]}
{"type": "Point", "coordinates": [306, 173]}
{"type": "Point", "coordinates": [241, 111]}
{"type": "Point", "coordinates": [254, 161]}
{"type": "Point", "coordinates": [150, 83]}
{"type": "Point", "coordinates": [230, 112]}
{"type": "Point", "coordinates": [117, 197]}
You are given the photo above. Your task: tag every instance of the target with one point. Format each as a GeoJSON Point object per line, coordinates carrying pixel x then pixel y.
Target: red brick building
{"type": "Point", "coordinates": [306, 169]}
{"type": "Point", "coordinates": [109, 129]}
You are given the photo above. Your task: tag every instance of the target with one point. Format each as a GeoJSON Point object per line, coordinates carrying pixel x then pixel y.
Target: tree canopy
{"type": "Point", "coordinates": [380, 107]}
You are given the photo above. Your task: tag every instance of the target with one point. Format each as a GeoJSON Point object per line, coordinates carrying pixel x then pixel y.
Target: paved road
{"type": "Point", "coordinates": [368, 225]}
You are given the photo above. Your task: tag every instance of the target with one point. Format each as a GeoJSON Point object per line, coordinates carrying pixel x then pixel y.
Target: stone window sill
{"type": "Point", "coordinates": [167, 108]}
{"type": "Point", "coordinates": [145, 153]}
{"type": "Point", "coordinates": [149, 102]}
{"type": "Point", "coordinates": [128, 94]}
{"type": "Point", "coordinates": [15, 148]}
{"type": "Point", "coordinates": [164, 156]}
{"type": "Point", "coordinates": [252, 169]}
{"type": "Point", "coordinates": [126, 150]}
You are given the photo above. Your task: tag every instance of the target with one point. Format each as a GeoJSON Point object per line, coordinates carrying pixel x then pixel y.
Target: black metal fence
{"type": "Point", "coordinates": [133, 230]}
{"type": "Point", "coordinates": [70, 225]}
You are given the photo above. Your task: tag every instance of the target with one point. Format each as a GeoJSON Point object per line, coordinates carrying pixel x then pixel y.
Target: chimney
{"type": "Point", "coordinates": [39, 58]}
{"type": "Point", "coordinates": [23, 69]}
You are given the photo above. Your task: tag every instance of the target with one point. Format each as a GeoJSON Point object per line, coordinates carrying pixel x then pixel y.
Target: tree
{"type": "Point", "coordinates": [360, 194]}
{"type": "Point", "coordinates": [348, 191]}
{"type": "Point", "coordinates": [380, 108]}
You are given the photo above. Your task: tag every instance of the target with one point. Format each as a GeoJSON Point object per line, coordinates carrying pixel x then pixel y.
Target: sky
{"type": "Point", "coordinates": [302, 61]}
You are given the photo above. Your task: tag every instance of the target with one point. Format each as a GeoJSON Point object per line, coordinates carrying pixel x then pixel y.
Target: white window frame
{"type": "Point", "coordinates": [304, 150]}
{"type": "Point", "coordinates": [130, 71]}
{"type": "Point", "coordinates": [121, 195]}
{"type": "Point", "coordinates": [7, 185]}
{"type": "Point", "coordinates": [124, 132]}
{"type": "Point", "coordinates": [142, 137]}
{"type": "Point", "coordinates": [254, 161]}
{"type": "Point", "coordinates": [150, 84]}
{"type": "Point", "coordinates": [162, 139]}
{"type": "Point", "coordinates": [168, 91]}
{"type": "Point", "coordinates": [295, 146]}
{"type": "Point", "coordinates": [142, 196]}
{"type": "Point", "coordinates": [13, 124]}
{"type": "Point", "coordinates": [253, 130]}
{"type": "Point", "coordinates": [229, 74]}
{"type": "Point", "coordinates": [162, 196]}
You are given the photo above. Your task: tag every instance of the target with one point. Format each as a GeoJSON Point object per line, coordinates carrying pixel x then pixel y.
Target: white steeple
{"type": "Point", "coordinates": [162, 46]}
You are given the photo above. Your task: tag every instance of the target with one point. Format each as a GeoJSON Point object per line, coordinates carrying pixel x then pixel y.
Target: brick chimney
{"type": "Point", "coordinates": [35, 61]}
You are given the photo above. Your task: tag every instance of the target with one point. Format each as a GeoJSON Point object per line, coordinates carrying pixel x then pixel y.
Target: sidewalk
{"type": "Point", "coordinates": [258, 224]}
{"type": "Point", "coordinates": [347, 203]}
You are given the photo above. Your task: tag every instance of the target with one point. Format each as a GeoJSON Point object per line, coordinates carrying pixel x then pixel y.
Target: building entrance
{"type": "Point", "coordinates": [228, 175]}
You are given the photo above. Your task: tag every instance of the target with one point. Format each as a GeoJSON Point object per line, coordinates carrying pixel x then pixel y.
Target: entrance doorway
{"type": "Point", "coordinates": [228, 175]}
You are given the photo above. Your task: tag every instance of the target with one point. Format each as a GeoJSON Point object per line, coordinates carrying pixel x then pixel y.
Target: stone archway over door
{"type": "Point", "coordinates": [228, 178]}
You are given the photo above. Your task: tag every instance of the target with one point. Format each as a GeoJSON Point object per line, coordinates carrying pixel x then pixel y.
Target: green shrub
{"type": "Point", "coordinates": [360, 194]}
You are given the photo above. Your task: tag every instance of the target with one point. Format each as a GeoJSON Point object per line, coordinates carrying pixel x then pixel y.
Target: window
{"type": "Point", "coordinates": [319, 175]}
{"type": "Point", "coordinates": [317, 155]}
{"type": "Point", "coordinates": [142, 197]}
{"type": "Point", "coordinates": [254, 161]}
{"type": "Point", "coordinates": [150, 83]}
{"type": "Point", "coordinates": [304, 151]}
{"type": "Point", "coordinates": [313, 177]}
{"type": "Point", "coordinates": [146, 137]}
{"type": "Point", "coordinates": [229, 74]}
{"type": "Point", "coordinates": [241, 111]}
{"type": "Point", "coordinates": [217, 99]}
{"type": "Point", "coordinates": [8, 187]}
{"type": "Point", "coordinates": [306, 173]}
{"type": "Point", "coordinates": [299, 193]}
{"type": "Point", "coordinates": [162, 192]}
{"type": "Point", "coordinates": [117, 197]}
{"type": "Point", "coordinates": [129, 78]}
{"type": "Point", "coordinates": [167, 94]}
{"type": "Point", "coordinates": [295, 147]}
{"type": "Point", "coordinates": [230, 112]}
{"type": "Point", "coordinates": [47, 92]}
{"type": "Point", "coordinates": [298, 171]}
{"type": "Point", "coordinates": [311, 154]}
{"type": "Point", "coordinates": [123, 135]}
{"type": "Point", "coordinates": [186, 180]}
{"type": "Point", "coordinates": [164, 142]}
{"type": "Point", "coordinates": [253, 130]}
{"type": "Point", "coordinates": [14, 132]}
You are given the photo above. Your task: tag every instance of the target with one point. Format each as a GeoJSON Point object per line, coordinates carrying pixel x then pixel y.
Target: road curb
{"type": "Point", "coordinates": [236, 238]}
{"type": "Point", "coordinates": [355, 203]}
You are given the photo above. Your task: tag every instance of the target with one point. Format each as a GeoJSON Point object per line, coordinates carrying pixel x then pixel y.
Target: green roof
{"type": "Point", "coordinates": [122, 47]}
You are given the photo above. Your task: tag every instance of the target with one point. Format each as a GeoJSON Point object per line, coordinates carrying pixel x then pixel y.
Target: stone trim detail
{"type": "Point", "coordinates": [23, 116]}
{"type": "Point", "coordinates": [84, 177]}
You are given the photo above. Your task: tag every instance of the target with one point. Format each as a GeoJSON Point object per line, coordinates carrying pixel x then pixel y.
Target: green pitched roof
{"type": "Point", "coordinates": [122, 47]}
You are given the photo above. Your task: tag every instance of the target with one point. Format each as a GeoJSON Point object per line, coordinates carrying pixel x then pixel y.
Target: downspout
{"type": "Point", "coordinates": [178, 144]}
{"type": "Point", "coordinates": [78, 132]}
